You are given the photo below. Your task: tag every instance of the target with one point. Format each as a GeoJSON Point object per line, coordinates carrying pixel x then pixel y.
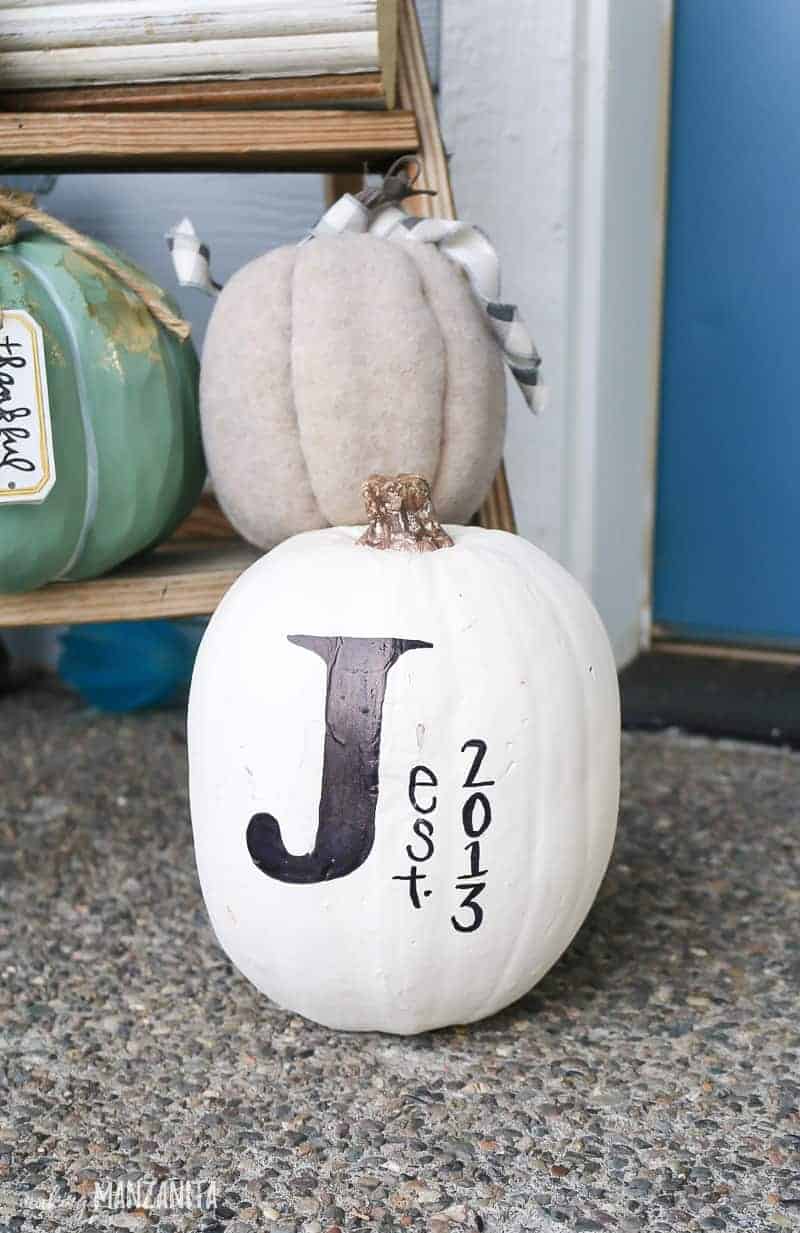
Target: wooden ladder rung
{"type": "Point", "coordinates": [204, 140]}
{"type": "Point", "coordinates": [182, 578]}
{"type": "Point", "coordinates": [334, 90]}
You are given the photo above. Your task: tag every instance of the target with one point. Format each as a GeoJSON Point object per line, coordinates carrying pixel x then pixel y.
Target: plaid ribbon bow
{"type": "Point", "coordinates": [468, 248]}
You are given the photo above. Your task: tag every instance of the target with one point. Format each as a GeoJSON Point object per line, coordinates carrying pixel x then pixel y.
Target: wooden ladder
{"type": "Point", "coordinates": [189, 574]}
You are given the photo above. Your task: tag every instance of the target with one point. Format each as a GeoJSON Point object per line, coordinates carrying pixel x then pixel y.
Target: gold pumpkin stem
{"type": "Point", "coordinates": [401, 516]}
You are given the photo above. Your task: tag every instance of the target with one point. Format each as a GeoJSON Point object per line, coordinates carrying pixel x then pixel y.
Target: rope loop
{"type": "Point", "coordinates": [16, 207]}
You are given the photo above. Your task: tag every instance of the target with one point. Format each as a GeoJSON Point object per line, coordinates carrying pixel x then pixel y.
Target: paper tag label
{"type": "Point", "coordinates": [27, 465]}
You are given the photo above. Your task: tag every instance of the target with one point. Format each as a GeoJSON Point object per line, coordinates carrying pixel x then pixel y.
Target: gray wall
{"type": "Point", "coordinates": [238, 215]}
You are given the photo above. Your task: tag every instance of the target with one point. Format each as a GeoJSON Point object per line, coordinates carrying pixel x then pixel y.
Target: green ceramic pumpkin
{"type": "Point", "coordinates": [123, 403]}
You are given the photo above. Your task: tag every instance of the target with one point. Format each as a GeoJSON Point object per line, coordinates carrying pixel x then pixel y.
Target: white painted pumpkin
{"type": "Point", "coordinates": [404, 768]}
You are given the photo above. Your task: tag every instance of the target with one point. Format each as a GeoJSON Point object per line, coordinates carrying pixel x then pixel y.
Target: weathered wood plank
{"type": "Point", "coordinates": [328, 90]}
{"type": "Point", "coordinates": [268, 140]}
{"type": "Point", "coordinates": [105, 23]}
{"type": "Point", "coordinates": [388, 37]}
{"type": "Point", "coordinates": [215, 59]}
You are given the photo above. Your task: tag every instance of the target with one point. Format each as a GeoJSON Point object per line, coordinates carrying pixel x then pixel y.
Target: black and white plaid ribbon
{"type": "Point", "coordinates": [469, 249]}
{"type": "Point", "coordinates": [191, 258]}
{"type": "Point", "coordinates": [460, 242]}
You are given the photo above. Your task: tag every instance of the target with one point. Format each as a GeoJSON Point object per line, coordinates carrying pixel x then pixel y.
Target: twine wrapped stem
{"type": "Point", "coordinates": [21, 207]}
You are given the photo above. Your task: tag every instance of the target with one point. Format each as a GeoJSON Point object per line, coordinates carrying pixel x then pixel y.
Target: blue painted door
{"type": "Point", "coordinates": [727, 553]}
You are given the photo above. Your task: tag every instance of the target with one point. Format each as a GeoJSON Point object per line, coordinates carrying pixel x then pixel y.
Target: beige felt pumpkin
{"type": "Point", "coordinates": [342, 357]}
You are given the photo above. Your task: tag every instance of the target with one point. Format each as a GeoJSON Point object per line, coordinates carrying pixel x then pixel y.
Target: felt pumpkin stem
{"type": "Point", "coordinates": [397, 185]}
{"type": "Point", "coordinates": [401, 516]}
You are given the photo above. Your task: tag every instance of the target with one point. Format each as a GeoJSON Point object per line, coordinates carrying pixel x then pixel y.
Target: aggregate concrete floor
{"type": "Point", "coordinates": [652, 1081]}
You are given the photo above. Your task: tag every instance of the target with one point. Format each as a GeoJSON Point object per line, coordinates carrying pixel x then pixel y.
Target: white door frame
{"type": "Point", "coordinates": [555, 113]}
